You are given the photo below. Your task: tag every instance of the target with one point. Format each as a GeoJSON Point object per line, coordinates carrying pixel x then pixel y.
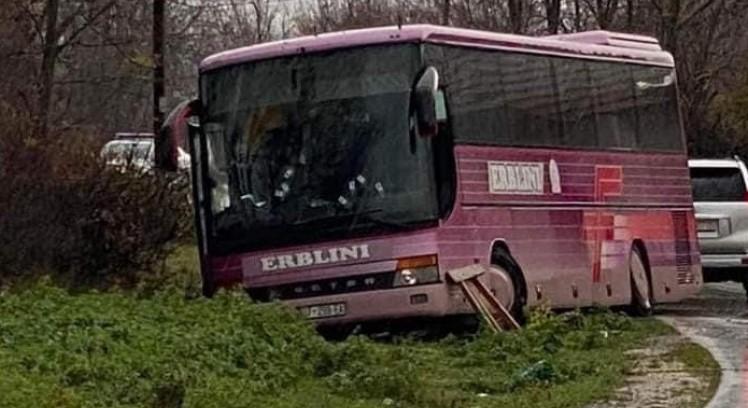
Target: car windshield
{"type": "Point", "coordinates": [717, 184]}
{"type": "Point", "coordinates": [309, 145]}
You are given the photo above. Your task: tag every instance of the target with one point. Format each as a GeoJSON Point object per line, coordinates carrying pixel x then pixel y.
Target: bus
{"type": "Point", "coordinates": [346, 173]}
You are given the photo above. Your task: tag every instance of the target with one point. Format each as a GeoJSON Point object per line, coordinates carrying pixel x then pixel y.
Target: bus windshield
{"type": "Point", "coordinates": [306, 147]}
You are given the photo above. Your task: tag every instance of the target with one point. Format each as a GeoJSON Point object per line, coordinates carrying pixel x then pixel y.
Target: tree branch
{"type": "Point", "coordinates": [88, 23]}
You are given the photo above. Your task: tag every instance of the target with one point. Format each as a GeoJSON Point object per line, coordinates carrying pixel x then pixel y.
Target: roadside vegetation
{"type": "Point", "coordinates": [121, 350]}
{"type": "Point", "coordinates": [68, 215]}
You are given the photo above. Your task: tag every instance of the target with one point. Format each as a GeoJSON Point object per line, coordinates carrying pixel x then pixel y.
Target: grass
{"type": "Point", "coordinates": [181, 271]}
{"type": "Point", "coordinates": [123, 350]}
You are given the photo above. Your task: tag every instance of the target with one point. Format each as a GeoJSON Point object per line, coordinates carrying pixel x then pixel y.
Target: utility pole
{"type": "Point", "coordinates": [158, 64]}
{"type": "Point", "coordinates": [49, 60]}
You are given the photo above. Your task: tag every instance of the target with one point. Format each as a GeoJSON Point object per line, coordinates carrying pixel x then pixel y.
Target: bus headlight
{"type": "Point", "coordinates": [416, 276]}
{"type": "Point", "coordinates": [408, 277]}
{"type": "Point", "coordinates": [416, 271]}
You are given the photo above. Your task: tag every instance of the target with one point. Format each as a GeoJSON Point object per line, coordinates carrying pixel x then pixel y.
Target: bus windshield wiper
{"type": "Point", "coordinates": [366, 216]}
{"type": "Point", "coordinates": [336, 217]}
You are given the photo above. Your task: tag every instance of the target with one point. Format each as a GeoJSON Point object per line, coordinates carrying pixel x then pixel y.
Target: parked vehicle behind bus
{"type": "Point", "coordinates": [345, 173]}
{"type": "Point", "coordinates": [720, 193]}
{"type": "Point", "coordinates": [129, 151]}
{"type": "Point", "coordinates": [137, 151]}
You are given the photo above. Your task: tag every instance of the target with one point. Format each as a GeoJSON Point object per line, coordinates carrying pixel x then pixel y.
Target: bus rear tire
{"type": "Point", "coordinates": [641, 285]}
{"type": "Point", "coordinates": [503, 263]}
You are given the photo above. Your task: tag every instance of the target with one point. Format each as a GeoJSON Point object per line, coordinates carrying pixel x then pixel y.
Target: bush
{"type": "Point", "coordinates": [65, 211]}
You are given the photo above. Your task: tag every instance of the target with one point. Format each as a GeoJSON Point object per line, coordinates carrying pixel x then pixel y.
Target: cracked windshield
{"type": "Point", "coordinates": [319, 141]}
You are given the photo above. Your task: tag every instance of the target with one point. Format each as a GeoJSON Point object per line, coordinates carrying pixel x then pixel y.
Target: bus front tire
{"type": "Point", "coordinates": [504, 263]}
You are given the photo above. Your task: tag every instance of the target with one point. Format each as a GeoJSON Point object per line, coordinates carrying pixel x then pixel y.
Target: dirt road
{"type": "Point", "coordinates": [718, 320]}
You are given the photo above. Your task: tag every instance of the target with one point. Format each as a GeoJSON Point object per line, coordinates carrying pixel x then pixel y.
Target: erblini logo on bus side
{"type": "Point", "coordinates": [316, 257]}
{"type": "Point", "coordinates": [507, 177]}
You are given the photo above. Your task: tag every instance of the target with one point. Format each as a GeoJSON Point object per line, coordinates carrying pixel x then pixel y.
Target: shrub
{"type": "Point", "coordinates": [65, 211]}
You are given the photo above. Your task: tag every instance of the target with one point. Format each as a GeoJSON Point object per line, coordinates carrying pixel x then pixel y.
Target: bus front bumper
{"type": "Point", "coordinates": [433, 300]}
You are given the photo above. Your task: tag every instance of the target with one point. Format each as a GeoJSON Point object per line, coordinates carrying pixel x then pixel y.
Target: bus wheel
{"type": "Point", "coordinates": [641, 287]}
{"type": "Point", "coordinates": [508, 274]}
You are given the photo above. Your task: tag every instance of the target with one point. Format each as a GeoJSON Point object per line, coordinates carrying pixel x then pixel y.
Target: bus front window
{"type": "Point", "coordinates": [310, 147]}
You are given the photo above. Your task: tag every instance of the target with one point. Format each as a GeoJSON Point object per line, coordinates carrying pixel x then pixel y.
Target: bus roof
{"type": "Point", "coordinates": [592, 44]}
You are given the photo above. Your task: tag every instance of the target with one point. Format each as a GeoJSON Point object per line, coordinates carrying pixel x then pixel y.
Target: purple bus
{"type": "Point", "coordinates": [346, 173]}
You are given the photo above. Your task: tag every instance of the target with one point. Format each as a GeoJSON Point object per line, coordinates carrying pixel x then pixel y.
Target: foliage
{"type": "Point", "coordinates": [118, 350]}
{"type": "Point", "coordinates": [65, 210]}
{"type": "Point", "coordinates": [729, 113]}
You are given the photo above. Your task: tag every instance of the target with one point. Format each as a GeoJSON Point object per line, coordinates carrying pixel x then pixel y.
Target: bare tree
{"type": "Point", "coordinates": [87, 64]}
{"type": "Point", "coordinates": [604, 12]}
{"type": "Point", "coordinates": [59, 31]}
{"type": "Point", "coordinates": [16, 33]}
{"type": "Point", "coordinates": [704, 42]}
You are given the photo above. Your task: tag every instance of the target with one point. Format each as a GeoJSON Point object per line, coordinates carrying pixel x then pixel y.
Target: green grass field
{"type": "Point", "coordinates": [125, 350]}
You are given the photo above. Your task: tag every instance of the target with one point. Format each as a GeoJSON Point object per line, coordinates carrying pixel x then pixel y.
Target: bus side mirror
{"type": "Point", "coordinates": [424, 103]}
{"type": "Point", "coordinates": [173, 136]}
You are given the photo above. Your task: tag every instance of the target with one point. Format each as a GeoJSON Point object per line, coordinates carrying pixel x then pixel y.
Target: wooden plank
{"type": "Point", "coordinates": [468, 272]}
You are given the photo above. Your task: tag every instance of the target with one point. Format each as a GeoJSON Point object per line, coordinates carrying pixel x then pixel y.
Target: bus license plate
{"type": "Point", "coordinates": [322, 311]}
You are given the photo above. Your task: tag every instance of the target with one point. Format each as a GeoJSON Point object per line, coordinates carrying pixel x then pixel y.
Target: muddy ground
{"type": "Point", "coordinates": [716, 319]}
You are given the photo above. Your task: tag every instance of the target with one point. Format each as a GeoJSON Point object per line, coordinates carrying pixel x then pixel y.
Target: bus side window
{"type": "Point", "coordinates": [614, 105]}
{"type": "Point", "coordinates": [657, 109]}
{"type": "Point", "coordinates": [575, 100]}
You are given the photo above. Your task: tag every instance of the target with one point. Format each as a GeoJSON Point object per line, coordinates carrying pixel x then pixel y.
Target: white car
{"type": "Point", "coordinates": [137, 153]}
{"type": "Point", "coordinates": [720, 195]}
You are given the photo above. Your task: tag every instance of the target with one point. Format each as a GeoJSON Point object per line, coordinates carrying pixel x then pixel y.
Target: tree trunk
{"type": "Point", "coordinates": [630, 15]}
{"type": "Point", "coordinates": [515, 15]}
{"type": "Point", "coordinates": [49, 62]}
{"type": "Point", "coordinates": [553, 15]}
{"type": "Point", "coordinates": [260, 11]}
{"type": "Point", "coordinates": [669, 36]}
{"type": "Point", "coordinates": [446, 10]}
{"type": "Point", "coordinates": [158, 64]}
